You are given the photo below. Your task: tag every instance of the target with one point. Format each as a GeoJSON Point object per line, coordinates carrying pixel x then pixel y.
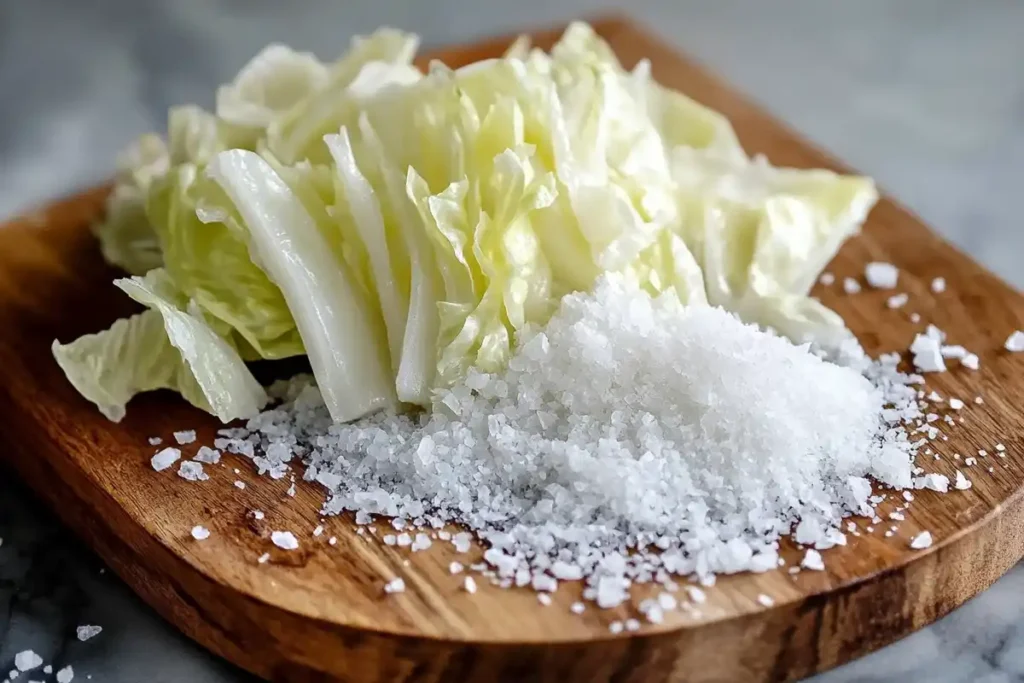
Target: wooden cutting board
{"type": "Point", "coordinates": [320, 614]}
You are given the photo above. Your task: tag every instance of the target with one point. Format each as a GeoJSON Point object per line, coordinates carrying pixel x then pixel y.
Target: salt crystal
{"type": "Point", "coordinates": [632, 625]}
{"type": "Point", "coordinates": [765, 600]}
{"type": "Point", "coordinates": [970, 361]}
{"type": "Point", "coordinates": [155, 441]}
{"type": "Point", "coordinates": [86, 632]}
{"type": "Point", "coordinates": [915, 318]}
{"type": "Point", "coordinates": [615, 627]}
{"type": "Point", "coordinates": [956, 404]}
{"type": "Point", "coordinates": [850, 286]}
{"type": "Point", "coordinates": [403, 540]}
{"type": "Point", "coordinates": [239, 484]}
{"type": "Point", "coordinates": [165, 458]}
{"type": "Point", "coordinates": [185, 437]}
{"type": "Point", "coordinates": [921, 541]}
{"type": "Point", "coordinates": [390, 539]}
{"type": "Point", "coordinates": [462, 542]}
{"type": "Point", "coordinates": [939, 285]}
{"type": "Point", "coordinates": [207, 455]}
{"type": "Point", "coordinates": [264, 558]}
{"type": "Point", "coordinates": [318, 530]}
{"type": "Point", "coordinates": [191, 470]}
{"type": "Point", "coordinates": [200, 533]}
{"type": "Point", "coordinates": [696, 595]}
{"type": "Point", "coordinates": [1015, 342]}
{"type": "Point", "coordinates": [544, 599]}
{"type": "Point", "coordinates": [962, 483]}
{"type": "Point", "coordinates": [577, 608]}
{"type": "Point", "coordinates": [422, 542]}
{"type": "Point", "coordinates": [927, 354]}
{"type": "Point", "coordinates": [827, 279]}
{"type": "Point", "coordinates": [396, 585]}
{"type": "Point", "coordinates": [258, 515]}
{"type": "Point", "coordinates": [881, 275]}
{"type": "Point", "coordinates": [469, 585]}
{"type": "Point", "coordinates": [285, 540]}
{"type": "Point", "coordinates": [812, 560]}
{"type": "Point", "coordinates": [65, 675]}
{"type": "Point", "coordinates": [979, 400]}
{"type": "Point", "coordinates": [27, 660]}
{"type": "Point", "coordinates": [897, 301]}
{"type": "Point", "coordinates": [455, 568]}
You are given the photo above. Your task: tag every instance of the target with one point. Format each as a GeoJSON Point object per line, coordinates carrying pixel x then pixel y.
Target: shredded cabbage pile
{"type": "Point", "coordinates": [400, 227]}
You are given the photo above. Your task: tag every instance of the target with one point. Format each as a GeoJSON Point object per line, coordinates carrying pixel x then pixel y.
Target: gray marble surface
{"type": "Point", "coordinates": [926, 95]}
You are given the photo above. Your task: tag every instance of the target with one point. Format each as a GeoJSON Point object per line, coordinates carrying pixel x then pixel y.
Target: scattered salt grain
{"type": "Point", "coordinates": [897, 301]}
{"type": "Point", "coordinates": [258, 515]}
{"type": "Point", "coordinates": [333, 540]}
{"type": "Point", "coordinates": [469, 585]}
{"type": "Point", "coordinates": [404, 540]}
{"type": "Point", "coordinates": [979, 400]}
{"type": "Point", "coordinates": [186, 437]}
{"type": "Point", "coordinates": [207, 455]}
{"type": "Point", "coordinates": [88, 631]}
{"type": "Point", "coordinates": [969, 462]}
{"type": "Point", "coordinates": [696, 595]}
{"type": "Point", "coordinates": [956, 404]}
{"type": "Point", "coordinates": [1015, 342]}
{"type": "Point", "coordinates": [200, 533]}
{"type": "Point", "coordinates": [632, 625]}
{"type": "Point", "coordinates": [577, 608]}
{"type": "Point", "coordinates": [812, 560]}
{"type": "Point", "coordinates": [962, 483]}
{"type": "Point", "coordinates": [264, 558]}
{"type": "Point", "coordinates": [827, 279]}
{"type": "Point", "coordinates": [915, 318]}
{"type": "Point", "coordinates": [396, 585]}
{"type": "Point", "coordinates": [939, 285]}
{"type": "Point", "coordinates": [765, 600]}
{"type": "Point", "coordinates": [544, 599]}
{"type": "Point", "coordinates": [1000, 448]}
{"type": "Point", "coordinates": [27, 660]}
{"type": "Point", "coordinates": [422, 542]}
{"type": "Point", "coordinates": [455, 568]}
{"type": "Point", "coordinates": [155, 441]}
{"type": "Point", "coordinates": [285, 540]}
{"type": "Point", "coordinates": [615, 627]}
{"type": "Point", "coordinates": [65, 675]}
{"type": "Point", "coordinates": [240, 484]}
{"type": "Point", "coordinates": [851, 286]}
{"type": "Point", "coordinates": [881, 275]}
{"type": "Point", "coordinates": [971, 361]}
{"type": "Point", "coordinates": [462, 542]}
{"type": "Point", "coordinates": [165, 458]}
{"type": "Point", "coordinates": [318, 530]}
{"type": "Point", "coordinates": [921, 541]}
{"type": "Point", "coordinates": [389, 539]}
{"type": "Point", "coordinates": [191, 470]}
{"type": "Point", "coordinates": [927, 353]}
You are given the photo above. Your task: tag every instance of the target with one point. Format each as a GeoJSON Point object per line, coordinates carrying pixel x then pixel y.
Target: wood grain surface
{"type": "Point", "coordinates": [320, 614]}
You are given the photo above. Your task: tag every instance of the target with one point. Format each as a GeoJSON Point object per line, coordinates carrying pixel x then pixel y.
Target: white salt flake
{"type": "Point", "coordinates": [544, 598]}
{"type": "Point", "coordinates": [65, 675]}
{"type": "Point", "coordinates": [207, 455]}
{"type": "Point", "coordinates": [422, 542]}
{"type": "Point", "coordinates": [264, 558]}
{"type": "Point", "coordinates": [971, 361]}
{"type": "Point", "coordinates": [455, 568]}
{"type": "Point", "coordinates": [200, 533]}
{"type": "Point", "coordinates": [88, 631]}
{"type": "Point", "coordinates": [956, 404]}
{"type": "Point", "coordinates": [938, 285]}
{"type": "Point", "coordinates": [615, 627]}
{"type": "Point", "coordinates": [921, 541]}
{"type": "Point", "coordinates": [185, 437]}
{"type": "Point", "coordinates": [285, 540]}
{"type": "Point", "coordinates": [851, 286]}
{"type": "Point", "coordinates": [577, 608]}
{"type": "Point", "coordinates": [165, 458]}
{"type": "Point", "coordinates": [258, 514]}
{"type": "Point", "coordinates": [190, 470]}
{"type": "Point", "coordinates": [812, 560]}
{"type": "Point", "coordinates": [318, 530]}
{"type": "Point", "coordinates": [897, 301]}
{"type": "Point", "coordinates": [765, 600]}
{"type": "Point", "coordinates": [696, 595]}
{"type": "Point", "coordinates": [827, 278]}
{"type": "Point", "coordinates": [240, 484]}
{"type": "Point", "coordinates": [632, 625]}
{"type": "Point", "coordinates": [962, 483]}
{"type": "Point", "coordinates": [881, 275]}
{"type": "Point", "coordinates": [1015, 342]}
{"type": "Point", "coordinates": [155, 441]}
{"type": "Point", "coordinates": [469, 585]}
{"type": "Point", "coordinates": [396, 585]}
{"type": "Point", "coordinates": [27, 660]}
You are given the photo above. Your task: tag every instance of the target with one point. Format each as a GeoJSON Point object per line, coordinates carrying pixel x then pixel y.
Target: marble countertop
{"type": "Point", "coordinates": [925, 95]}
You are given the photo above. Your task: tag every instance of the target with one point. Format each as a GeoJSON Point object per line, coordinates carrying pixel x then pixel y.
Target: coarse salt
{"type": "Point", "coordinates": [27, 660]}
{"type": "Point", "coordinates": [881, 275]}
{"type": "Point", "coordinates": [190, 470]}
{"type": "Point", "coordinates": [1015, 342]}
{"type": "Point", "coordinates": [938, 285]}
{"type": "Point", "coordinates": [285, 540]}
{"type": "Point", "coordinates": [897, 301]}
{"type": "Point", "coordinates": [200, 533]}
{"type": "Point", "coordinates": [850, 285]}
{"type": "Point", "coordinates": [207, 455]}
{"type": "Point", "coordinates": [185, 437]}
{"type": "Point", "coordinates": [396, 585]}
{"type": "Point", "coordinates": [165, 458]}
{"type": "Point", "coordinates": [921, 541]}
{"type": "Point", "coordinates": [88, 631]}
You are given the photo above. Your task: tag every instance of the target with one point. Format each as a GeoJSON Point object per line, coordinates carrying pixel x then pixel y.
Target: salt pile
{"type": "Point", "coordinates": [632, 439]}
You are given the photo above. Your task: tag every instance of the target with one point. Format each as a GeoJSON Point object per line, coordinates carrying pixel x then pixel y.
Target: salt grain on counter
{"type": "Point", "coordinates": [191, 470]}
{"type": "Point", "coordinates": [881, 275]}
{"type": "Point", "coordinates": [185, 438]}
{"type": "Point", "coordinates": [207, 455]}
{"type": "Point", "coordinates": [87, 632]}
{"type": "Point", "coordinates": [897, 301]}
{"type": "Point", "coordinates": [155, 441]}
{"type": "Point", "coordinates": [469, 585]}
{"type": "Point", "coordinates": [200, 533]}
{"type": "Point", "coordinates": [165, 458]}
{"type": "Point", "coordinates": [1015, 342]}
{"type": "Point", "coordinates": [962, 483]}
{"type": "Point", "coordinates": [971, 361]}
{"type": "Point", "coordinates": [812, 560]}
{"type": "Point", "coordinates": [285, 540]}
{"type": "Point", "coordinates": [395, 586]}
{"type": "Point", "coordinates": [264, 558]}
{"type": "Point", "coordinates": [765, 600]}
{"type": "Point", "coordinates": [921, 541]}
{"type": "Point", "coordinates": [66, 675]}
{"type": "Point", "coordinates": [827, 279]}
{"type": "Point", "coordinates": [939, 285]}
{"type": "Point", "coordinates": [850, 286]}
{"type": "Point", "coordinates": [956, 404]}
{"type": "Point", "coordinates": [27, 660]}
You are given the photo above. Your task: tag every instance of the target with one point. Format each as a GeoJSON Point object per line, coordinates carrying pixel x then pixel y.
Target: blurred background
{"type": "Point", "coordinates": [927, 96]}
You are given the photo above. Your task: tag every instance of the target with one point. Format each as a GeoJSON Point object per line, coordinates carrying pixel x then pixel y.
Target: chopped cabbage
{"type": "Point", "coordinates": [400, 228]}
